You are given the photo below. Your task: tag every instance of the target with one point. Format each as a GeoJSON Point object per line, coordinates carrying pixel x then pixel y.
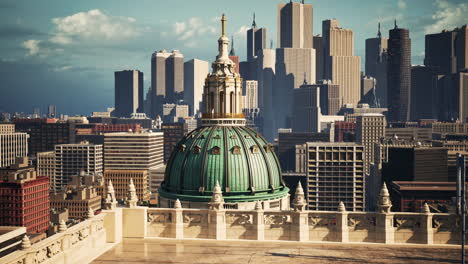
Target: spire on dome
{"type": "Point", "coordinates": [223, 25]}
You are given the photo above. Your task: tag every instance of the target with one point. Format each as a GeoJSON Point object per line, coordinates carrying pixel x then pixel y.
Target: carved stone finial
{"type": "Point", "coordinates": [132, 198]}
{"type": "Point", "coordinates": [426, 209]}
{"type": "Point", "coordinates": [62, 226]}
{"type": "Point", "coordinates": [258, 206]}
{"type": "Point", "coordinates": [90, 213]}
{"type": "Point", "coordinates": [341, 207]}
{"type": "Point", "coordinates": [25, 243]}
{"type": "Point", "coordinates": [177, 204]}
{"type": "Point", "coordinates": [217, 200]}
{"type": "Point", "coordinates": [299, 199]}
{"type": "Point", "coordinates": [384, 200]}
{"type": "Point", "coordinates": [110, 202]}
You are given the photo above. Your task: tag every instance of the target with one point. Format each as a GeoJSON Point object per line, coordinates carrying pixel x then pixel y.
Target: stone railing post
{"type": "Point", "coordinates": [217, 224]}
{"type": "Point", "coordinates": [259, 221]}
{"type": "Point", "coordinates": [301, 225]}
{"type": "Point", "coordinates": [113, 225]}
{"type": "Point", "coordinates": [426, 225]}
{"type": "Point", "coordinates": [342, 223]}
{"type": "Point", "coordinates": [384, 219]}
{"type": "Point", "coordinates": [178, 220]}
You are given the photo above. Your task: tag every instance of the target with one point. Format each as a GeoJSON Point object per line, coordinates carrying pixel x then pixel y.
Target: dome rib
{"type": "Point", "coordinates": [226, 161]}
{"type": "Point", "coordinates": [188, 150]}
{"type": "Point", "coordinates": [265, 157]}
{"type": "Point", "coordinates": [203, 174]}
{"type": "Point", "coordinates": [249, 165]}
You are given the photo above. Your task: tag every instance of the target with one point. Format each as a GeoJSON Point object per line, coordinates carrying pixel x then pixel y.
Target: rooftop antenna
{"type": "Point", "coordinates": [254, 25]}
{"type": "Point", "coordinates": [271, 44]}
{"type": "Point", "coordinates": [305, 78]}
{"type": "Point", "coordinates": [232, 52]}
{"type": "Point", "coordinates": [395, 24]}
{"type": "Point", "coordinates": [379, 34]}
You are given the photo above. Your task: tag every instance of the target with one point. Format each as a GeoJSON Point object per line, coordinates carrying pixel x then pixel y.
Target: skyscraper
{"type": "Point", "coordinates": [234, 57]}
{"type": "Point", "coordinates": [52, 111]}
{"type": "Point", "coordinates": [399, 74]}
{"type": "Point", "coordinates": [266, 74]}
{"type": "Point", "coordinates": [370, 129]}
{"type": "Point", "coordinates": [167, 79]}
{"type": "Point", "coordinates": [376, 65]}
{"type": "Point", "coordinates": [341, 66]}
{"type": "Point", "coordinates": [128, 92]}
{"type": "Point", "coordinates": [446, 52]}
{"type": "Point", "coordinates": [256, 40]}
{"type": "Point", "coordinates": [12, 146]}
{"type": "Point", "coordinates": [295, 25]}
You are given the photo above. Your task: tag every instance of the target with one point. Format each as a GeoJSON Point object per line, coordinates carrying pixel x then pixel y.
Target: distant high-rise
{"type": "Point", "coordinates": [234, 57]}
{"type": "Point", "coordinates": [167, 79]}
{"type": "Point", "coordinates": [446, 52]}
{"type": "Point", "coordinates": [173, 133]}
{"type": "Point", "coordinates": [71, 159]}
{"type": "Point", "coordinates": [52, 111]}
{"type": "Point", "coordinates": [341, 66]}
{"type": "Point", "coordinates": [12, 146]}
{"type": "Point", "coordinates": [128, 93]}
{"type": "Point", "coordinates": [295, 25]}
{"type": "Point", "coordinates": [370, 129]}
{"type": "Point", "coordinates": [399, 74]}
{"type": "Point", "coordinates": [368, 91]}
{"type": "Point", "coordinates": [266, 75]}
{"type": "Point", "coordinates": [319, 57]}
{"type": "Point", "coordinates": [376, 65]}
{"type": "Point", "coordinates": [256, 40]}
{"type": "Point", "coordinates": [425, 93]}
{"type": "Point", "coordinates": [250, 95]}
{"type": "Point", "coordinates": [133, 150]}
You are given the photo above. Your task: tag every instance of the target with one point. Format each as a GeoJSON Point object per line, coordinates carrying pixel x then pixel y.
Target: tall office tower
{"type": "Point", "coordinates": [446, 52]}
{"type": "Point", "coordinates": [173, 133]}
{"type": "Point", "coordinates": [295, 25]}
{"type": "Point", "coordinates": [368, 91]}
{"type": "Point", "coordinates": [52, 111]}
{"type": "Point", "coordinates": [46, 164]}
{"type": "Point", "coordinates": [71, 159]}
{"type": "Point", "coordinates": [376, 65]}
{"type": "Point", "coordinates": [370, 129]}
{"type": "Point", "coordinates": [399, 74]}
{"type": "Point", "coordinates": [319, 57]}
{"type": "Point", "coordinates": [80, 194]}
{"type": "Point", "coordinates": [44, 134]}
{"type": "Point", "coordinates": [234, 57]}
{"type": "Point", "coordinates": [256, 40]}
{"type": "Point", "coordinates": [173, 112]}
{"type": "Point", "coordinates": [36, 112]}
{"type": "Point", "coordinates": [335, 174]}
{"type": "Point", "coordinates": [24, 197]}
{"type": "Point", "coordinates": [195, 72]}
{"type": "Point", "coordinates": [425, 93]}
{"type": "Point", "coordinates": [454, 98]}
{"type": "Point", "coordinates": [250, 94]}
{"type": "Point", "coordinates": [121, 179]}
{"type": "Point", "coordinates": [133, 151]}
{"type": "Point", "coordinates": [295, 58]}
{"type": "Point", "coordinates": [12, 146]}
{"type": "Point", "coordinates": [167, 79]}
{"type": "Point", "coordinates": [128, 92]}
{"type": "Point", "coordinates": [266, 59]}
{"type": "Point", "coordinates": [341, 66]}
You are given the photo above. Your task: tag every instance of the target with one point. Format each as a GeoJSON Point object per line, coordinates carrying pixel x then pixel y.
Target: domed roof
{"type": "Point", "coordinates": [239, 158]}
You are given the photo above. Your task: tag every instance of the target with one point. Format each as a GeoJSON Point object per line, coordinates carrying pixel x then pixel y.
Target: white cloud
{"type": "Point", "coordinates": [447, 16]}
{"type": "Point", "coordinates": [63, 68]}
{"type": "Point", "coordinates": [191, 29]}
{"type": "Point", "coordinates": [242, 32]}
{"type": "Point", "coordinates": [401, 4]}
{"type": "Point", "coordinates": [93, 25]}
{"type": "Point", "coordinates": [32, 46]}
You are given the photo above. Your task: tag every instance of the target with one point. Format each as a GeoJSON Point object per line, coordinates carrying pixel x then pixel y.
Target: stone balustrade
{"type": "Point", "coordinates": [67, 246]}
{"type": "Point", "coordinates": [225, 224]}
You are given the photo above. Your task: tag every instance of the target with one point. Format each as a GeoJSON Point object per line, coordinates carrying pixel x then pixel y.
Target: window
{"type": "Point", "coordinates": [215, 150]}
{"type": "Point", "coordinates": [196, 149]}
{"type": "Point", "coordinates": [236, 150]}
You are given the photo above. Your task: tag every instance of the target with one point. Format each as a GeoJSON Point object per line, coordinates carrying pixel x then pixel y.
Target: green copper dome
{"type": "Point", "coordinates": [239, 158]}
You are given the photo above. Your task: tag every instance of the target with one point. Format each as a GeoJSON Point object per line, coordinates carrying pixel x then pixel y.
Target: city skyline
{"type": "Point", "coordinates": [65, 59]}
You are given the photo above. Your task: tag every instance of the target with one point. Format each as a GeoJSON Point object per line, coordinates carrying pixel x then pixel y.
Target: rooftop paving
{"type": "Point", "coordinates": [205, 251]}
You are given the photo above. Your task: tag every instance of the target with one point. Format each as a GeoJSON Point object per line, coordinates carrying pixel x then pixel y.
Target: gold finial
{"type": "Point", "coordinates": [223, 24]}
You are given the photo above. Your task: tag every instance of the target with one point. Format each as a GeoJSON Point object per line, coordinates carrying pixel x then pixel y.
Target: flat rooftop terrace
{"type": "Point", "coordinates": [209, 251]}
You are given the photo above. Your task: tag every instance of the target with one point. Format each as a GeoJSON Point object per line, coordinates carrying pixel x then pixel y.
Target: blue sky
{"type": "Point", "coordinates": [65, 52]}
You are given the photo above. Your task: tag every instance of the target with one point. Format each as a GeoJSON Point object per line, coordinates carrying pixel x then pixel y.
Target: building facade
{"type": "Point", "coordinates": [335, 173]}
{"type": "Point", "coordinates": [195, 72]}
{"type": "Point", "coordinates": [12, 146]}
{"type": "Point", "coordinates": [376, 65]}
{"type": "Point", "coordinates": [370, 130]}
{"type": "Point", "coordinates": [121, 179]}
{"type": "Point", "coordinates": [128, 93]}
{"type": "Point", "coordinates": [24, 197]}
